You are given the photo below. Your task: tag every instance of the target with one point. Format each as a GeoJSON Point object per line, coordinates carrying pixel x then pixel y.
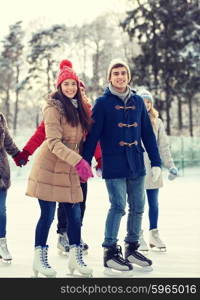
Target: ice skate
{"type": "Point", "coordinates": [135, 257]}
{"type": "Point", "coordinates": [85, 247]}
{"type": "Point", "coordinates": [4, 253]}
{"type": "Point", "coordinates": [76, 263]}
{"type": "Point", "coordinates": [63, 244]}
{"type": "Point", "coordinates": [143, 245]}
{"type": "Point", "coordinates": [155, 241]}
{"type": "Point", "coordinates": [114, 263]}
{"type": "Point", "coordinates": [40, 263]}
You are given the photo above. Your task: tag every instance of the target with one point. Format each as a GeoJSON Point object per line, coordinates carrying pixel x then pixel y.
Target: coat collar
{"type": "Point", "coordinates": [50, 101]}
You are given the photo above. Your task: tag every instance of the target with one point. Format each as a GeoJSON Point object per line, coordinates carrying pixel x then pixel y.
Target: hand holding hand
{"type": "Point", "coordinates": [21, 158]}
{"type": "Point", "coordinates": [156, 172]}
{"type": "Point", "coordinates": [99, 172]}
{"type": "Point", "coordinates": [173, 173]}
{"type": "Point", "coordinates": [84, 170]}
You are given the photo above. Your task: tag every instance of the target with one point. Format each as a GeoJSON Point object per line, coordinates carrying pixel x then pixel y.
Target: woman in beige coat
{"type": "Point", "coordinates": [58, 169]}
{"type": "Point", "coordinates": [151, 187]}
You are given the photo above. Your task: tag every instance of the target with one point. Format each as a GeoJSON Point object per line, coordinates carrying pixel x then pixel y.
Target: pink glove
{"type": "Point", "coordinates": [84, 170]}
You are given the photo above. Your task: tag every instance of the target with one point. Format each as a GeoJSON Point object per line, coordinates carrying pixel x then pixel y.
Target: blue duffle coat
{"type": "Point", "coordinates": [120, 128]}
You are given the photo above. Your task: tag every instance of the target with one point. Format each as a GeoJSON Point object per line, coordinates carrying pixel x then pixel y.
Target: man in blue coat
{"type": "Point", "coordinates": [121, 122]}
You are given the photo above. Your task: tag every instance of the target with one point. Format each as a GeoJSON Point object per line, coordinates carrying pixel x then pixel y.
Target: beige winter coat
{"type": "Point", "coordinates": [53, 176]}
{"type": "Point", "coordinates": [164, 150]}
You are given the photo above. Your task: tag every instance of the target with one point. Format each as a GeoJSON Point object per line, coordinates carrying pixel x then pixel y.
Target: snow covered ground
{"type": "Point", "coordinates": [179, 225]}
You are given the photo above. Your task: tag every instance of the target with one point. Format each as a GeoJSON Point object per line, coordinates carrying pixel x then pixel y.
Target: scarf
{"type": "Point", "coordinates": [75, 102]}
{"type": "Point", "coordinates": [123, 96]}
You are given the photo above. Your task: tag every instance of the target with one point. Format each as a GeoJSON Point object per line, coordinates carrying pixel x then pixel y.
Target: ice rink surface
{"type": "Point", "coordinates": [179, 225]}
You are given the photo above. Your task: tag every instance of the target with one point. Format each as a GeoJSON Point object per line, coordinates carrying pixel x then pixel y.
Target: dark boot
{"type": "Point", "coordinates": [135, 257]}
{"type": "Point", "coordinates": [113, 259]}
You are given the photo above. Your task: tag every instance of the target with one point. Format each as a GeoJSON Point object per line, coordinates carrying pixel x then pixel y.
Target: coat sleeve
{"type": "Point", "coordinates": [163, 145]}
{"type": "Point", "coordinates": [95, 132]}
{"type": "Point", "coordinates": [148, 138]}
{"type": "Point", "coordinates": [54, 134]}
{"type": "Point", "coordinates": [9, 144]}
{"type": "Point", "coordinates": [97, 153]}
{"type": "Point", "coordinates": [36, 140]}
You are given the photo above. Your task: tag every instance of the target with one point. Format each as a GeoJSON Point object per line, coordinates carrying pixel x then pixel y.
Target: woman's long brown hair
{"type": "Point", "coordinates": [74, 115]}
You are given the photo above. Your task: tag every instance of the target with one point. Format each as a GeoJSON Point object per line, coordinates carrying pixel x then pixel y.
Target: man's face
{"type": "Point", "coordinates": [119, 79]}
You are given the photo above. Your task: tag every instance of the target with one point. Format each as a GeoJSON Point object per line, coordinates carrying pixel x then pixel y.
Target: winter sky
{"type": "Point", "coordinates": [60, 11]}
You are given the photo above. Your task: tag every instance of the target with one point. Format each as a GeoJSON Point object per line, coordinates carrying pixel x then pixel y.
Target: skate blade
{"type": "Point", "coordinates": [79, 275]}
{"type": "Point", "coordinates": [6, 261]}
{"type": "Point", "coordinates": [44, 276]}
{"type": "Point", "coordinates": [146, 251]}
{"type": "Point", "coordinates": [115, 273]}
{"type": "Point", "coordinates": [163, 249]}
{"type": "Point", "coordinates": [61, 252]}
{"type": "Point", "coordinates": [33, 276]}
{"type": "Point", "coordinates": [160, 249]}
{"type": "Point", "coordinates": [147, 269]}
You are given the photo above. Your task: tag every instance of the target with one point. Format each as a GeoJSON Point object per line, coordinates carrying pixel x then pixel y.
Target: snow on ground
{"type": "Point", "coordinates": [179, 225]}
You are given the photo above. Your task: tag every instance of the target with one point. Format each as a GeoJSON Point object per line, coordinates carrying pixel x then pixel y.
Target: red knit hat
{"type": "Point", "coordinates": [66, 72]}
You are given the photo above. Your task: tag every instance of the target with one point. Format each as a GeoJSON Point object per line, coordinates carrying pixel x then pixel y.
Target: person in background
{"type": "Point", "coordinates": [58, 169]}
{"type": "Point", "coordinates": [7, 146]}
{"type": "Point", "coordinates": [120, 122]}
{"type": "Point", "coordinates": [33, 143]}
{"type": "Point", "coordinates": [152, 187]}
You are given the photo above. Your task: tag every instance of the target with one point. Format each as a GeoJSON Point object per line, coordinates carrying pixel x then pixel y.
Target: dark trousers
{"type": "Point", "coordinates": [152, 197]}
{"type": "Point", "coordinates": [73, 213]}
{"type": "Point", "coordinates": [3, 216]}
{"type": "Point", "coordinates": [63, 220]}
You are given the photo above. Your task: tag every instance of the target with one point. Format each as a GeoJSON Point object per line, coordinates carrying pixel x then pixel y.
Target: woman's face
{"type": "Point", "coordinates": [148, 104]}
{"type": "Point", "coordinates": [69, 88]}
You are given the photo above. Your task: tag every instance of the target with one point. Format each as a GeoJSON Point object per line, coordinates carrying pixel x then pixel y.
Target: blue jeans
{"type": "Point", "coordinates": [62, 218]}
{"type": "Point", "coordinates": [122, 190]}
{"type": "Point", "coordinates": [3, 219]}
{"type": "Point", "coordinates": [152, 197]}
{"type": "Point", "coordinates": [48, 208]}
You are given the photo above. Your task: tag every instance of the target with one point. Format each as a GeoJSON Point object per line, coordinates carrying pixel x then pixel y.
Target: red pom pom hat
{"type": "Point", "coordinates": [66, 72]}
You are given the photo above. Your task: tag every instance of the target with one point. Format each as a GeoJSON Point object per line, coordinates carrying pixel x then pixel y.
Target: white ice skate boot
{"type": "Point", "coordinates": [135, 257]}
{"type": "Point", "coordinates": [114, 263]}
{"type": "Point", "coordinates": [143, 245]}
{"type": "Point", "coordinates": [155, 241]}
{"type": "Point", "coordinates": [4, 253]}
{"type": "Point", "coordinates": [63, 244]}
{"type": "Point", "coordinates": [76, 262]}
{"type": "Point", "coordinates": [40, 263]}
